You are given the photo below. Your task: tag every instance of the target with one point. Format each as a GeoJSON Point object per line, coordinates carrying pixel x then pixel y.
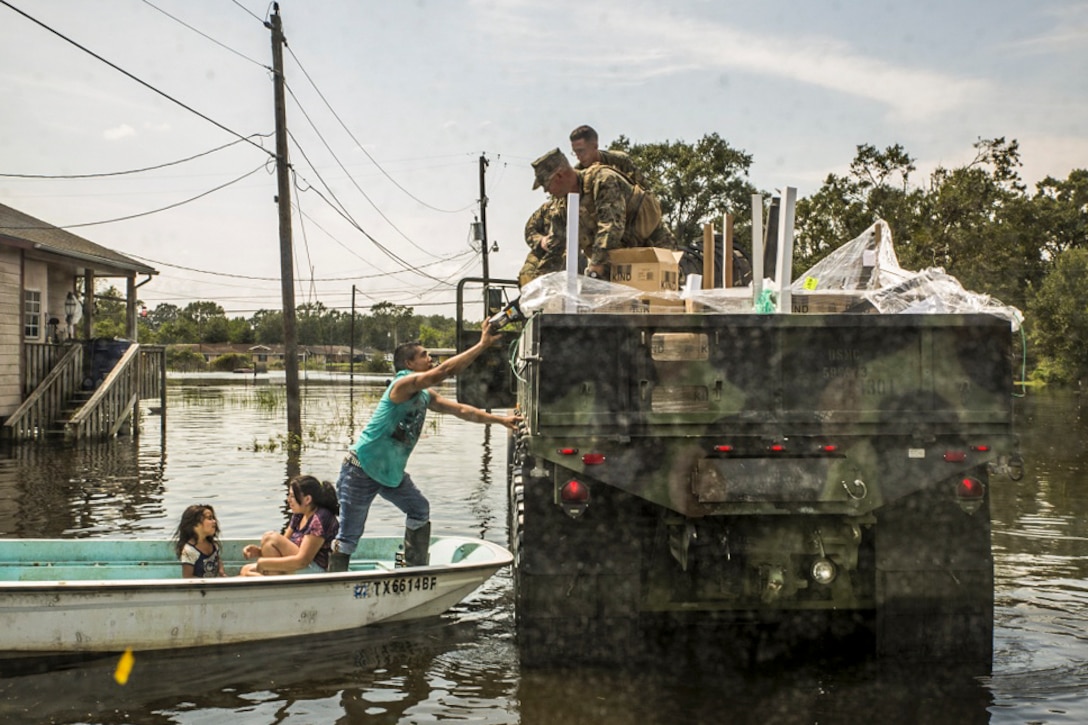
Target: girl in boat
{"type": "Point", "coordinates": [304, 545]}
{"type": "Point", "coordinates": [196, 544]}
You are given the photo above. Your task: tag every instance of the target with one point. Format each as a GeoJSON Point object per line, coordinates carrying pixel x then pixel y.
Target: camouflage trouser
{"type": "Point", "coordinates": [659, 237]}
{"type": "Point", "coordinates": [537, 265]}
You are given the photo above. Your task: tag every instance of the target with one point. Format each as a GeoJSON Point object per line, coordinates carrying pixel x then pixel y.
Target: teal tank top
{"type": "Point", "coordinates": [390, 435]}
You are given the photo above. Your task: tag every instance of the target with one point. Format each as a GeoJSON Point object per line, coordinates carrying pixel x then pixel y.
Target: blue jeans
{"type": "Point", "coordinates": [356, 492]}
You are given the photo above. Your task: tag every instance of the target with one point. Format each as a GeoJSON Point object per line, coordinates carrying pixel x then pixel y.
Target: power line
{"type": "Point", "coordinates": [208, 37]}
{"type": "Point", "coordinates": [247, 10]}
{"type": "Point", "coordinates": [107, 174]}
{"type": "Point", "coordinates": [342, 168]}
{"type": "Point", "coordinates": [153, 211]}
{"type": "Point", "coordinates": [228, 275]}
{"type": "Point", "coordinates": [338, 207]}
{"type": "Point", "coordinates": [145, 84]}
{"type": "Point", "coordinates": [363, 148]}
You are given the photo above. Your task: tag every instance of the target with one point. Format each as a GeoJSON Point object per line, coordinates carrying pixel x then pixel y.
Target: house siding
{"type": "Point", "coordinates": [11, 329]}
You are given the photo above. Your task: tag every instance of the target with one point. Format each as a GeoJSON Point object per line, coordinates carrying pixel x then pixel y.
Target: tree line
{"type": "Point", "coordinates": [203, 321]}
{"type": "Point", "coordinates": [979, 222]}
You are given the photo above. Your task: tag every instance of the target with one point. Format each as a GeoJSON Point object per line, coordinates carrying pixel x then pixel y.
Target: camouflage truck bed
{"type": "Point", "coordinates": [745, 467]}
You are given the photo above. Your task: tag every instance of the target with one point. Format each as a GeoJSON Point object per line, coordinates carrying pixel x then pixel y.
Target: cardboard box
{"type": "Point", "coordinates": [643, 306]}
{"type": "Point", "coordinates": [650, 269]}
{"type": "Point", "coordinates": [829, 302]}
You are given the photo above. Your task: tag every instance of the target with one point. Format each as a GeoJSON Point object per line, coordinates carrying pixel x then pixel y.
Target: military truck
{"type": "Point", "coordinates": [676, 471]}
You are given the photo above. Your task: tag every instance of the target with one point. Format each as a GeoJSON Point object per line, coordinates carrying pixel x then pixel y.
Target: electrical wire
{"type": "Point", "coordinates": [363, 148]}
{"type": "Point", "coordinates": [208, 37]}
{"type": "Point", "coordinates": [229, 275]}
{"type": "Point", "coordinates": [146, 213]}
{"type": "Point", "coordinates": [338, 208]}
{"type": "Point", "coordinates": [107, 174]}
{"type": "Point", "coordinates": [346, 172]}
{"type": "Point", "coordinates": [144, 83]}
{"type": "Point", "coordinates": [250, 12]}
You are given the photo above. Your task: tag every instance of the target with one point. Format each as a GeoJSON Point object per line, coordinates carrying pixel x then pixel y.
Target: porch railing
{"type": "Point", "coordinates": [53, 405]}
{"type": "Point", "coordinates": [113, 403]}
{"type": "Point", "coordinates": [153, 372]}
{"type": "Point", "coordinates": [58, 381]}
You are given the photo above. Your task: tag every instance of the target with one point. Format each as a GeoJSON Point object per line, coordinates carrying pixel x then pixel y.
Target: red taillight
{"type": "Point", "coordinates": [777, 448]}
{"type": "Point", "coordinates": [828, 448]}
{"type": "Point", "coordinates": [724, 448]}
{"type": "Point", "coordinates": [574, 492]}
{"type": "Point", "coordinates": [567, 451]}
{"type": "Point", "coordinates": [955, 456]}
{"type": "Point", "coordinates": [970, 488]}
{"type": "Point", "coordinates": [981, 448]}
{"type": "Point", "coordinates": [593, 459]}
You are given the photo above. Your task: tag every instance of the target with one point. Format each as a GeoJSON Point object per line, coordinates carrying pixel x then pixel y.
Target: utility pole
{"type": "Point", "coordinates": [287, 279]}
{"type": "Point", "coordinates": [351, 353]}
{"type": "Point", "coordinates": [483, 236]}
{"type": "Point", "coordinates": [483, 216]}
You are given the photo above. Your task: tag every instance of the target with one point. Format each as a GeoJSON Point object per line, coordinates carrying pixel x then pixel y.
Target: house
{"type": "Point", "coordinates": [47, 281]}
{"type": "Point", "coordinates": [262, 355]}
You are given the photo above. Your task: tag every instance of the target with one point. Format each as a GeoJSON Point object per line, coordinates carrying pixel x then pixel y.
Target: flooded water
{"type": "Point", "coordinates": [223, 445]}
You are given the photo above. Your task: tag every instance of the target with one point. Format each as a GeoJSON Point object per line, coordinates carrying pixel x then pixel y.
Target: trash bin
{"type": "Point", "coordinates": [103, 354]}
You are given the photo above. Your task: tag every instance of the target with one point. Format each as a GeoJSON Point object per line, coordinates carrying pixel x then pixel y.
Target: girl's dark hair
{"type": "Point", "coordinates": [192, 517]}
{"type": "Point", "coordinates": [323, 492]}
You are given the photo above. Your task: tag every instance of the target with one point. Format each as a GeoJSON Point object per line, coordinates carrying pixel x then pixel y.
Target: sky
{"type": "Point", "coordinates": [391, 105]}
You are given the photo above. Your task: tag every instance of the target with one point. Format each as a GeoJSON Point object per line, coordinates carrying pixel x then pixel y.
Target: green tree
{"type": "Point", "coordinates": [1059, 318]}
{"type": "Point", "coordinates": [430, 337]}
{"type": "Point", "coordinates": [184, 360]}
{"type": "Point", "coordinates": [389, 326]}
{"type": "Point", "coordinates": [202, 313]}
{"type": "Point", "coordinates": [178, 331]}
{"type": "Point", "coordinates": [215, 330]}
{"type": "Point", "coordinates": [1064, 206]}
{"type": "Point", "coordinates": [163, 313]}
{"type": "Point", "coordinates": [975, 223]}
{"type": "Point", "coordinates": [268, 327]}
{"type": "Point", "coordinates": [240, 331]}
{"type": "Point", "coordinates": [315, 323]}
{"type": "Point", "coordinates": [230, 361]}
{"type": "Point", "coordinates": [110, 314]}
{"type": "Point", "coordinates": [877, 187]}
{"type": "Point", "coordinates": [696, 183]}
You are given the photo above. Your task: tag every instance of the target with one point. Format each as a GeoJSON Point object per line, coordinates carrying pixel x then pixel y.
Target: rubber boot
{"type": "Point", "coordinates": [337, 560]}
{"type": "Point", "coordinates": [416, 545]}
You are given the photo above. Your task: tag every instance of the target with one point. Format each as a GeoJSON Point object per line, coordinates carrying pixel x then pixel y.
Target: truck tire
{"type": "Point", "coordinates": [934, 580]}
{"type": "Point", "coordinates": [570, 604]}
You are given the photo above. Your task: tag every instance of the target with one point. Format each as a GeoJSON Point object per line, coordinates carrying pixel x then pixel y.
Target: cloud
{"type": "Point", "coordinates": [659, 44]}
{"type": "Point", "coordinates": [1069, 33]}
{"type": "Point", "coordinates": [118, 132]}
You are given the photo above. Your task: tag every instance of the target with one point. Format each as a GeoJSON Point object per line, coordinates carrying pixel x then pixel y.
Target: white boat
{"type": "Point", "coordinates": [109, 595]}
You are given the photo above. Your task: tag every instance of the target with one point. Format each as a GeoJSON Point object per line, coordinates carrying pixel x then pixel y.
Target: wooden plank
{"type": "Point", "coordinates": [708, 256]}
{"type": "Point", "coordinates": [727, 250]}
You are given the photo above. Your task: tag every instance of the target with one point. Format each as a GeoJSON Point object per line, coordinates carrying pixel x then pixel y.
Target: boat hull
{"type": "Point", "coordinates": [113, 614]}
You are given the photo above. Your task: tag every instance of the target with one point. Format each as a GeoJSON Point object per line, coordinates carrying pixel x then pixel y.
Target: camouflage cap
{"type": "Point", "coordinates": [547, 165]}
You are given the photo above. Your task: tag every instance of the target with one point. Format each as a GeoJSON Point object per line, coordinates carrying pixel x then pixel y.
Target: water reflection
{"type": "Point", "coordinates": [48, 490]}
{"type": "Point", "coordinates": [222, 445]}
{"type": "Point", "coordinates": [381, 672]}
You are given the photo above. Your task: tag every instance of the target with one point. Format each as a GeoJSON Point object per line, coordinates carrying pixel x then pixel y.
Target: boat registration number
{"type": "Point", "coordinates": [394, 587]}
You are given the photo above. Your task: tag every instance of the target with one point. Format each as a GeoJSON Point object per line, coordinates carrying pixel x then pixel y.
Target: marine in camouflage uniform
{"type": "Point", "coordinates": [622, 163]}
{"type": "Point", "coordinates": [614, 212]}
{"type": "Point", "coordinates": [545, 254]}
{"type": "Point", "coordinates": [585, 145]}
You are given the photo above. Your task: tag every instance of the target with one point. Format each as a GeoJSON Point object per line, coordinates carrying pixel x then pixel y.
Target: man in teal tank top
{"type": "Point", "coordinates": [375, 464]}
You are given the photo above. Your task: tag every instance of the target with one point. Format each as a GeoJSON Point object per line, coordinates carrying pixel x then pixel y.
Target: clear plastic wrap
{"type": "Point", "coordinates": [868, 261]}
{"type": "Point", "coordinates": [863, 275]}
